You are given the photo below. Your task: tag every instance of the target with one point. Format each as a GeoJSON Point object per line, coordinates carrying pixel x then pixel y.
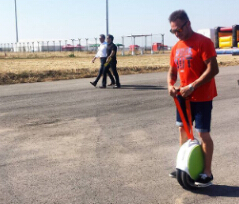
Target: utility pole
{"type": "Point", "coordinates": [107, 19]}
{"type": "Point", "coordinates": [16, 21]}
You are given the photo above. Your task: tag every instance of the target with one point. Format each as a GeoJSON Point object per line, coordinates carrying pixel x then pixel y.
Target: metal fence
{"type": "Point", "coordinates": [130, 43]}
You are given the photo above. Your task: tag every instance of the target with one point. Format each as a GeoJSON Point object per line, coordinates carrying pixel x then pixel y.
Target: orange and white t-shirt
{"type": "Point", "coordinates": [188, 57]}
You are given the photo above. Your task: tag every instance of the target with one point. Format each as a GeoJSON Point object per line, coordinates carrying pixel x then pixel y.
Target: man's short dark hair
{"type": "Point", "coordinates": [102, 36]}
{"type": "Point", "coordinates": [179, 14]}
{"type": "Point", "coordinates": [111, 37]}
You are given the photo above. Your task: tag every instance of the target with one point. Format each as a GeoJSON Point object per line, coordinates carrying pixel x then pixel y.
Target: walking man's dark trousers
{"type": "Point", "coordinates": [101, 71]}
{"type": "Point", "coordinates": [111, 65]}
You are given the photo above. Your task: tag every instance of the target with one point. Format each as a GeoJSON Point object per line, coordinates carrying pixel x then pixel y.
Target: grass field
{"type": "Point", "coordinates": [36, 67]}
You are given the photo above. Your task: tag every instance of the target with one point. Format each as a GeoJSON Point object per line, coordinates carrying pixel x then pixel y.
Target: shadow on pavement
{"type": "Point", "coordinates": [143, 87]}
{"type": "Point", "coordinates": [219, 190]}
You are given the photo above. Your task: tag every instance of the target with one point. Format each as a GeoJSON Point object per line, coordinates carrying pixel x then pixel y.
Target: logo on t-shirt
{"type": "Point", "coordinates": [183, 56]}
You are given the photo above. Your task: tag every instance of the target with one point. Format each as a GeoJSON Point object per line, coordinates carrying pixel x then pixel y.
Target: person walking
{"type": "Point", "coordinates": [193, 57]}
{"type": "Point", "coordinates": [101, 53]}
{"type": "Point", "coordinates": [111, 61]}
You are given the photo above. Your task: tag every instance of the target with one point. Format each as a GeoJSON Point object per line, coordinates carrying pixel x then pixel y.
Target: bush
{"type": "Point", "coordinates": [71, 55]}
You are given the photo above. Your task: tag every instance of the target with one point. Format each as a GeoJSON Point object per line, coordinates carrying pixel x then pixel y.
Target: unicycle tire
{"type": "Point", "coordinates": [179, 177]}
{"type": "Point", "coordinates": [188, 182]}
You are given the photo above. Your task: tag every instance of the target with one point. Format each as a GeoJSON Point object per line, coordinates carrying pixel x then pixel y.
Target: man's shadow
{"type": "Point", "coordinates": [143, 87]}
{"type": "Point", "coordinates": [219, 190]}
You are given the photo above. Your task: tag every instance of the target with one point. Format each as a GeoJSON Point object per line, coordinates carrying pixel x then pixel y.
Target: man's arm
{"type": "Point", "coordinates": [210, 72]}
{"type": "Point", "coordinates": [93, 60]}
{"type": "Point", "coordinates": [111, 55]}
{"type": "Point", "coordinates": [96, 56]}
{"type": "Point", "coordinates": [172, 78]}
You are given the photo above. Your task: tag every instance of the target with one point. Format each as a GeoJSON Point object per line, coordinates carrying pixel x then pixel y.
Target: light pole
{"type": "Point", "coordinates": [163, 41]}
{"type": "Point", "coordinates": [54, 46]}
{"type": "Point", "coordinates": [152, 52]}
{"type": "Point", "coordinates": [65, 45]}
{"type": "Point", "coordinates": [123, 45]}
{"type": "Point", "coordinates": [79, 44]}
{"type": "Point", "coordinates": [87, 47]}
{"type": "Point", "coordinates": [107, 20]}
{"type": "Point", "coordinates": [96, 44]}
{"type": "Point", "coordinates": [47, 46]}
{"type": "Point", "coordinates": [73, 45]}
{"type": "Point", "coordinates": [16, 20]}
{"type": "Point", "coordinates": [60, 44]}
{"type": "Point", "coordinates": [42, 46]}
{"type": "Point", "coordinates": [38, 46]}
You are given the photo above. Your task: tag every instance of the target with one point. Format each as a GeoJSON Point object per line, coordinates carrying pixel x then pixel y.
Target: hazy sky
{"type": "Point", "coordinates": [66, 19]}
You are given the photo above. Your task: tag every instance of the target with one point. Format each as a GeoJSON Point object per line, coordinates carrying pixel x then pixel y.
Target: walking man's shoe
{"type": "Point", "coordinates": [111, 84]}
{"type": "Point", "coordinates": [102, 87]}
{"type": "Point", "coordinates": [117, 87]}
{"type": "Point", "coordinates": [93, 83]}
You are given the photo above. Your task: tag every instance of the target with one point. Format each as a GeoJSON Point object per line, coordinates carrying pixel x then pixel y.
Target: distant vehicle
{"type": "Point", "coordinates": [134, 47]}
{"type": "Point", "coordinates": [159, 46]}
{"type": "Point", "coordinates": [69, 47]}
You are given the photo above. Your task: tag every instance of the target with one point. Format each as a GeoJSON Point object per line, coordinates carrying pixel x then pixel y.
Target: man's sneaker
{"type": "Point", "coordinates": [204, 180]}
{"type": "Point", "coordinates": [172, 174]}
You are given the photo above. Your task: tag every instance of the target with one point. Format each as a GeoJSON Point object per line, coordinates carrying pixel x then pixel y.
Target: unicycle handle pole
{"type": "Point", "coordinates": [185, 124]}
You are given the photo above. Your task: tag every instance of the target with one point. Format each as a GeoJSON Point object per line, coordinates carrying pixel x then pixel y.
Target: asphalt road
{"type": "Point", "coordinates": [68, 142]}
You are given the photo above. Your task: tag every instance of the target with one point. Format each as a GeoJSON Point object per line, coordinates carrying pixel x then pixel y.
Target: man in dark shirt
{"type": "Point", "coordinates": [111, 62]}
{"type": "Point", "coordinates": [102, 54]}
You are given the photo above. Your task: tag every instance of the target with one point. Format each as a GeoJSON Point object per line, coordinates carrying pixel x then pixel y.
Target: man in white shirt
{"type": "Point", "coordinates": [103, 56]}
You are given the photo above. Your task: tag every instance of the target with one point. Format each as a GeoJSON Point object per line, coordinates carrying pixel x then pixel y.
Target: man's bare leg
{"type": "Point", "coordinates": [182, 136]}
{"type": "Point", "coordinates": [207, 147]}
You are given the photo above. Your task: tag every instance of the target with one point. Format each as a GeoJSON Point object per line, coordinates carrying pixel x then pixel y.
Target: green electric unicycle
{"type": "Point", "coordinates": [190, 159]}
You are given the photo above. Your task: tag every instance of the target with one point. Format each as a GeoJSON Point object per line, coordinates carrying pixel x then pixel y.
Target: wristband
{"type": "Point", "coordinates": [191, 87]}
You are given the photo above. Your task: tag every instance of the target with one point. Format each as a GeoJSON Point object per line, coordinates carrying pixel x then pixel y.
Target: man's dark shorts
{"type": "Point", "coordinates": [201, 114]}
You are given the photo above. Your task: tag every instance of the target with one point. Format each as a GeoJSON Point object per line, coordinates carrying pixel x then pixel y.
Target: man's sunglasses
{"type": "Point", "coordinates": [179, 30]}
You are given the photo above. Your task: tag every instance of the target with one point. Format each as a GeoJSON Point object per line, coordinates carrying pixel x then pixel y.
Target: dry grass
{"type": "Point", "coordinates": [35, 67]}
